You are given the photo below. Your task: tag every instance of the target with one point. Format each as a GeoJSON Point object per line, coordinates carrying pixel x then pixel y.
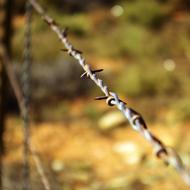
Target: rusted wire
{"type": "Point", "coordinates": [26, 87]}
{"type": "Point", "coordinates": [26, 77]}
{"type": "Point", "coordinates": [20, 99]}
{"type": "Point", "coordinates": [165, 153]}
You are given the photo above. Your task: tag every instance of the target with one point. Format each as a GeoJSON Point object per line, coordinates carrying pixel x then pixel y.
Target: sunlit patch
{"type": "Point", "coordinates": [130, 152]}
{"type": "Point", "coordinates": [57, 165]}
{"type": "Point", "coordinates": [169, 64]}
{"type": "Point", "coordinates": [111, 120]}
{"type": "Point", "coordinates": [117, 10]}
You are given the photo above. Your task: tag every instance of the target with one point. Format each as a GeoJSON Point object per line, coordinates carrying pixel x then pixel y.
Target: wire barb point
{"type": "Point", "coordinates": [66, 50]}
{"type": "Point", "coordinates": [97, 71]}
{"type": "Point", "coordinates": [93, 71]}
{"type": "Point", "coordinates": [65, 32]}
{"type": "Point", "coordinates": [101, 98]}
{"type": "Point", "coordinates": [77, 51]}
{"type": "Point", "coordinates": [83, 75]}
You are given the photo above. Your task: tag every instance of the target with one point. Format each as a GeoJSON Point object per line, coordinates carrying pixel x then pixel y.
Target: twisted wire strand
{"type": "Point", "coordinates": [165, 153]}
{"type": "Point", "coordinates": [20, 100]}
{"type": "Point", "coordinates": [26, 87]}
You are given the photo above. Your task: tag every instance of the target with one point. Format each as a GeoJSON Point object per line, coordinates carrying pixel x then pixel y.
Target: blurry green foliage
{"type": "Point", "coordinates": [142, 80]}
{"type": "Point", "coordinates": [145, 35]}
{"type": "Point", "coordinates": [182, 110]}
{"type": "Point", "coordinates": [149, 13]}
{"type": "Point", "coordinates": [125, 40]}
{"type": "Point", "coordinates": [121, 37]}
{"type": "Point", "coordinates": [92, 112]}
{"type": "Point", "coordinates": [133, 42]}
{"type": "Point", "coordinates": [79, 24]}
{"type": "Point", "coordinates": [58, 111]}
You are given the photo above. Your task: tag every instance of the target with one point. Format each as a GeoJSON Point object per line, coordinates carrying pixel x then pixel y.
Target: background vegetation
{"type": "Point", "coordinates": [143, 47]}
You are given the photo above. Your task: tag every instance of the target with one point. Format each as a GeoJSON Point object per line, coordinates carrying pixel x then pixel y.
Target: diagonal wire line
{"type": "Point", "coordinates": [165, 153]}
{"type": "Point", "coordinates": [20, 99]}
{"type": "Point", "coordinates": [26, 79]}
{"type": "Point", "coordinates": [19, 94]}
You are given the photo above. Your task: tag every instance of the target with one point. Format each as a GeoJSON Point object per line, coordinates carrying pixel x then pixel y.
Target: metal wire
{"type": "Point", "coordinates": [167, 154]}
{"type": "Point", "coordinates": [20, 99]}
{"type": "Point", "coordinates": [26, 92]}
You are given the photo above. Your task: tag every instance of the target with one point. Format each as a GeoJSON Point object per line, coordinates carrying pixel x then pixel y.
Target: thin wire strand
{"type": "Point", "coordinates": [20, 99]}
{"type": "Point", "coordinates": [165, 153]}
{"type": "Point", "coordinates": [26, 92]}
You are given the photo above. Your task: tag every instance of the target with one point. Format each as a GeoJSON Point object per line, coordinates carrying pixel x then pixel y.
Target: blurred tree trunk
{"type": "Point", "coordinates": [5, 42]}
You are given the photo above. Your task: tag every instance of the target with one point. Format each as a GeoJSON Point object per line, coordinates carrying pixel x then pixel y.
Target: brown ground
{"type": "Point", "coordinates": [79, 156]}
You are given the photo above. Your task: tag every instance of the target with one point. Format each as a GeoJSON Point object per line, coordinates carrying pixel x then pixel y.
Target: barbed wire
{"type": "Point", "coordinates": [26, 88]}
{"type": "Point", "coordinates": [26, 79]}
{"type": "Point", "coordinates": [20, 99]}
{"type": "Point", "coordinates": [39, 167]}
{"type": "Point", "coordinates": [165, 153]}
{"type": "Point", "coordinates": [19, 94]}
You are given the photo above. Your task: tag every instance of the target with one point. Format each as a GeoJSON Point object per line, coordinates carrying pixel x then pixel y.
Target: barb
{"type": "Point", "coordinates": [93, 71]}
{"type": "Point", "coordinates": [167, 154]}
{"type": "Point", "coordinates": [69, 52]}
